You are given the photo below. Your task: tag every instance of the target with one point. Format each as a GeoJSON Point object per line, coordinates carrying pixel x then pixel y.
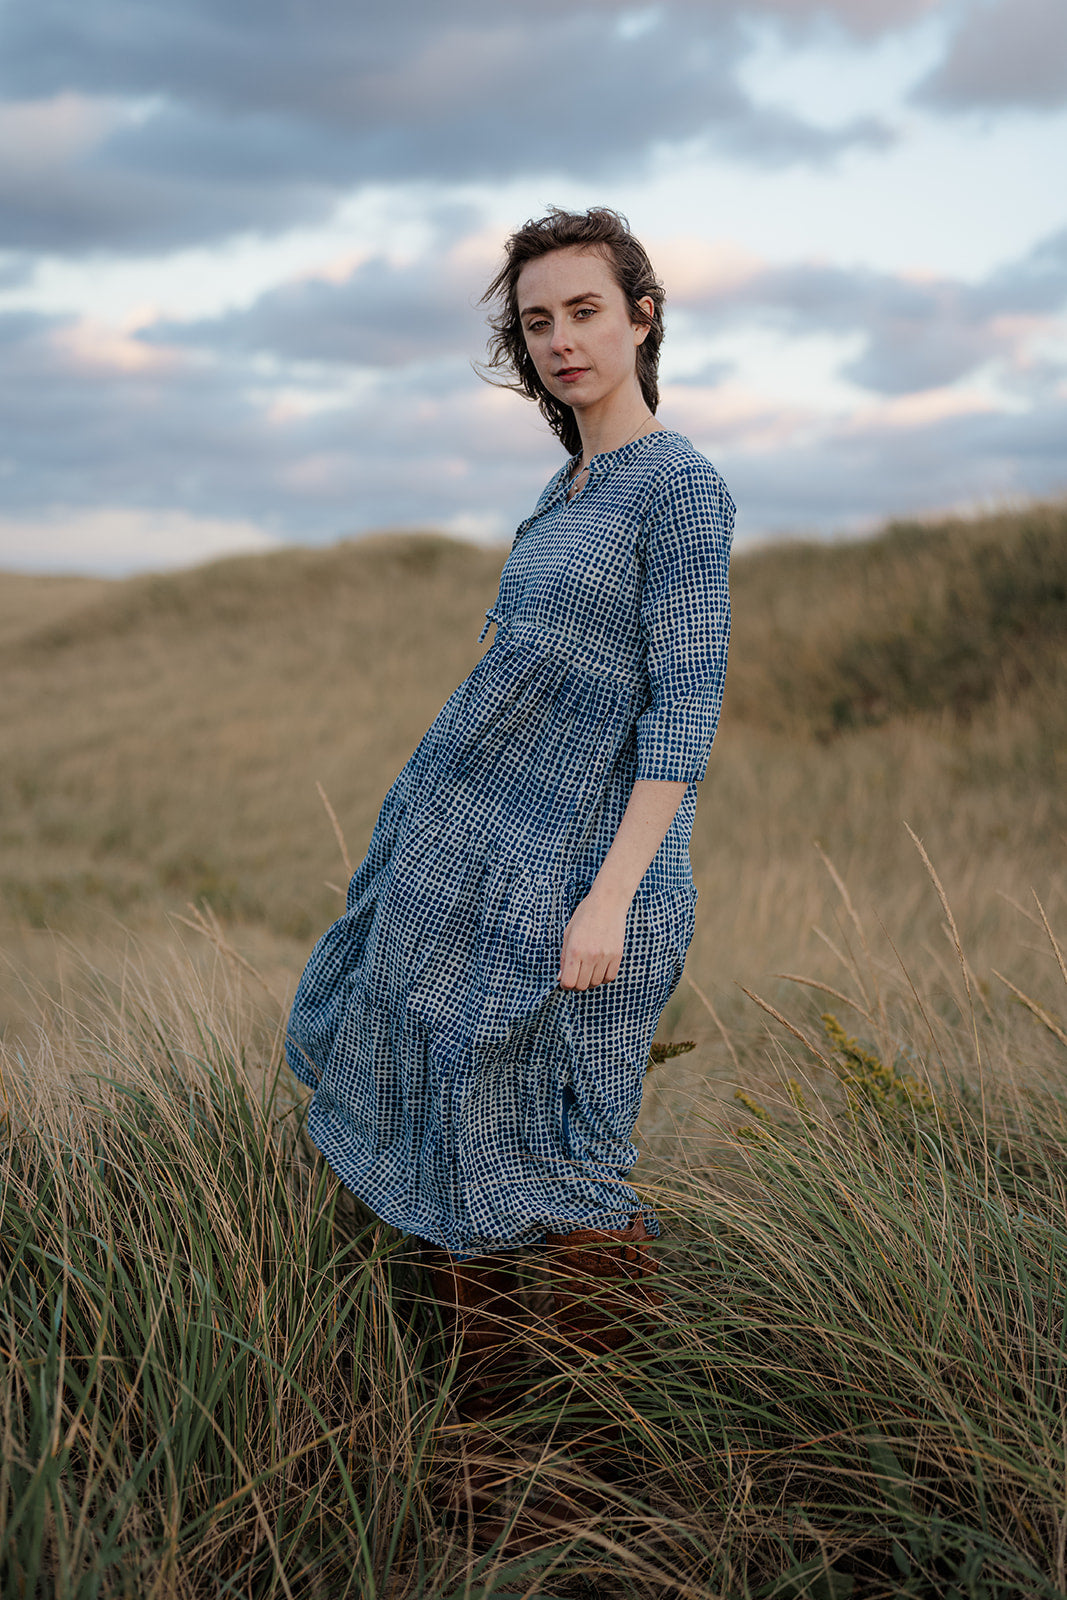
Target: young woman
{"type": "Point", "coordinates": [477, 1025]}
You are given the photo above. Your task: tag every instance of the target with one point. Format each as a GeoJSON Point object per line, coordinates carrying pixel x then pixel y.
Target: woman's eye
{"type": "Point", "coordinates": [585, 311]}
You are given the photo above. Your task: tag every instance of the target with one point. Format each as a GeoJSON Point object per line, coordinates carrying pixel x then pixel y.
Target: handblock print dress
{"type": "Point", "coordinates": [459, 1091]}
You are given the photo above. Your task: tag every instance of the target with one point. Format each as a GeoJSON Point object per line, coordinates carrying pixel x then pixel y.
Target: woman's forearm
{"type": "Point", "coordinates": [649, 813]}
{"type": "Point", "coordinates": [594, 937]}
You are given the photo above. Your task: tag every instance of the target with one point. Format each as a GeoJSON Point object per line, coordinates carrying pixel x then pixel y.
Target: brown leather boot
{"type": "Point", "coordinates": [600, 1279]}
{"type": "Point", "coordinates": [602, 1292]}
{"type": "Point", "coordinates": [480, 1302]}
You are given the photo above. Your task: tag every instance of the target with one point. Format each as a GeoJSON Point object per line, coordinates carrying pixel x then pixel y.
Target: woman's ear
{"type": "Point", "coordinates": [647, 305]}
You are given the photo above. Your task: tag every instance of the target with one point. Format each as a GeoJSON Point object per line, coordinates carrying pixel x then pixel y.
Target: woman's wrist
{"type": "Point", "coordinates": [610, 892]}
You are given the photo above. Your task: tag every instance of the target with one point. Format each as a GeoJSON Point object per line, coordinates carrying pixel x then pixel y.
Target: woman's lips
{"type": "Point", "coordinates": [571, 374]}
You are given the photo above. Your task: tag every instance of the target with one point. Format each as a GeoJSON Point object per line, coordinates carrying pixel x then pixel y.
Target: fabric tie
{"type": "Point", "coordinates": [490, 617]}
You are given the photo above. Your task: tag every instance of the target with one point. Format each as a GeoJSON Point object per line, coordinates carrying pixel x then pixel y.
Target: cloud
{"type": "Point", "coordinates": [381, 314]}
{"type": "Point", "coordinates": [342, 400]}
{"type": "Point", "coordinates": [1002, 54]}
{"type": "Point", "coordinates": [849, 476]}
{"type": "Point", "coordinates": [15, 270]}
{"type": "Point", "coordinates": [73, 178]}
{"type": "Point", "coordinates": [345, 401]}
{"type": "Point", "coordinates": [116, 540]}
{"type": "Point", "coordinates": [87, 420]}
{"type": "Point", "coordinates": [919, 332]}
{"type": "Point", "coordinates": [863, 19]}
{"type": "Point", "coordinates": [139, 129]}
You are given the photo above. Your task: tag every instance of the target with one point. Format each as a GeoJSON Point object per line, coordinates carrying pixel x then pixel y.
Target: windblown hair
{"type": "Point", "coordinates": [598, 229]}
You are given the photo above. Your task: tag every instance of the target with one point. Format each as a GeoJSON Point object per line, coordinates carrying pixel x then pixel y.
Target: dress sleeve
{"type": "Point", "coordinates": [685, 621]}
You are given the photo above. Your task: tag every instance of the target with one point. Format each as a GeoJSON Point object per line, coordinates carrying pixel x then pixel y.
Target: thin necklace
{"type": "Point", "coordinates": [572, 488]}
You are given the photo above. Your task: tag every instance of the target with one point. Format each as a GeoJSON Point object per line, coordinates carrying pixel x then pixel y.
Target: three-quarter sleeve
{"type": "Point", "coordinates": [684, 549]}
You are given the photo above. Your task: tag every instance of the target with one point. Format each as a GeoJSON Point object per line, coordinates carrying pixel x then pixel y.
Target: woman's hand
{"type": "Point", "coordinates": [595, 935]}
{"type": "Point", "coordinates": [593, 943]}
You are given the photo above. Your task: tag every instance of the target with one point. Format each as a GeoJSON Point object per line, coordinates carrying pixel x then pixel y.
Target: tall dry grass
{"type": "Point", "coordinates": [218, 1376]}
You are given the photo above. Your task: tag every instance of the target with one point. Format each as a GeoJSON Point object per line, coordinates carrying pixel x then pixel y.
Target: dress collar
{"type": "Point", "coordinates": [606, 461]}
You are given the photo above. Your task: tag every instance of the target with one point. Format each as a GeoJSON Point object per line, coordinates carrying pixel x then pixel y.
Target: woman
{"type": "Point", "coordinates": [477, 1025]}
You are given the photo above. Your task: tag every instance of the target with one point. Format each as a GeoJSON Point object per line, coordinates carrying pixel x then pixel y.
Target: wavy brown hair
{"type": "Point", "coordinates": [607, 232]}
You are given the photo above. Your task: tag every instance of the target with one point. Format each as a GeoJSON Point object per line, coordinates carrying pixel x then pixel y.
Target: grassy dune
{"type": "Point", "coordinates": [218, 1376]}
{"type": "Point", "coordinates": [161, 741]}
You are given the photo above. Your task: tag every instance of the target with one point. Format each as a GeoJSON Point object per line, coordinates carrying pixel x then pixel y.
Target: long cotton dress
{"type": "Point", "coordinates": [459, 1091]}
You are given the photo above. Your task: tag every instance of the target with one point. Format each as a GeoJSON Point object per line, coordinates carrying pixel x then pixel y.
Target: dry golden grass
{"type": "Point", "coordinates": [925, 617]}
{"type": "Point", "coordinates": [217, 1376]}
{"type": "Point", "coordinates": [162, 743]}
{"type": "Point", "coordinates": [29, 601]}
{"type": "Point", "coordinates": [161, 740]}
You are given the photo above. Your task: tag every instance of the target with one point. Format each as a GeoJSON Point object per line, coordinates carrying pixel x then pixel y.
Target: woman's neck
{"type": "Point", "coordinates": [610, 422]}
{"type": "Point", "coordinates": [614, 432]}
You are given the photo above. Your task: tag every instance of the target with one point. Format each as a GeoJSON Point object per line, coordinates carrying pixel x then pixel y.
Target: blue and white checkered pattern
{"type": "Point", "coordinates": [459, 1091]}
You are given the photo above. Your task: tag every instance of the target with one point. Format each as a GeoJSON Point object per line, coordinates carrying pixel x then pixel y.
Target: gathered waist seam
{"type": "Point", "coordinates": [574, 655]}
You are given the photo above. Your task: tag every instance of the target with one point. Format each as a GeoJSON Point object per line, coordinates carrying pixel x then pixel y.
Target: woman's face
{"type": "Point", "coordinates": [578, 329]}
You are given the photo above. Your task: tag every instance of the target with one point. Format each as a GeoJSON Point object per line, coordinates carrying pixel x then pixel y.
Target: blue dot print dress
{"type": "Point", "coordinates": [458, 1090]}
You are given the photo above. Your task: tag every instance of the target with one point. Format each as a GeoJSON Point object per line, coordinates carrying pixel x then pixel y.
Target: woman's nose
{"type": "Point", "coordinates": [561, 340]}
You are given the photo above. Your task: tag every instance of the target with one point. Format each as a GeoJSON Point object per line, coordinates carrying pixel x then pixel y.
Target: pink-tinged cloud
{"type": "Point", "coordinates": [735, 416]}
{"type": "Point", "coordinates": [40, 137]}
{"type": "Point", "coordinates": [94, 345]}
{"type": "Point", "coordinates": [917, 410]}
{"type": "Point", "coordinates": [697, 271]}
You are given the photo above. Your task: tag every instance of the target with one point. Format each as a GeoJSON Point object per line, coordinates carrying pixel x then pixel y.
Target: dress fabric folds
{"type": "Point", "coordinates": [458, 1090]}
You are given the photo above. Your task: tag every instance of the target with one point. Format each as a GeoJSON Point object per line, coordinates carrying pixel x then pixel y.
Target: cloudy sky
{"type": "Point", "coordinates": [242, 244]}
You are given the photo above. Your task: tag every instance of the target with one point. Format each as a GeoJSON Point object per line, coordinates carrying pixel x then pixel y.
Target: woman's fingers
{"type": "Point", "coordinates": [575, 974]}
{"type": "Point", "coordinates": [592, 946]}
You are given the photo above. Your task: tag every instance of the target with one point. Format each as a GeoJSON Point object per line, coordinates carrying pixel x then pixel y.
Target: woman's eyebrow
{"type": "Point", "coordinates": [575, 299]}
